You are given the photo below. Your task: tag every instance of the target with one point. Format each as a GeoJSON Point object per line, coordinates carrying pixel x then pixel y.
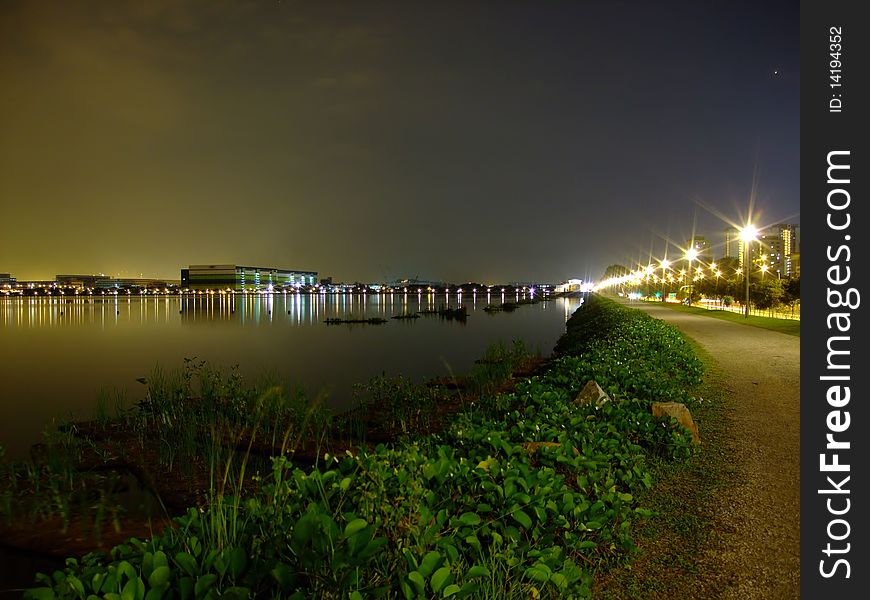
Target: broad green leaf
{"type": "Point", "coordinates": [131, 590]}
{"type": "Point", "coordinates": [185, 587]}
{"type": "Point", "coordinates": [186, 562]}
{"type": "Point", "coordinates": [354, 526]}
{"type": "Point", "coordinates": [406, 588]}
{"type": "Point", "coordinates": [429, 563]}
{"type": "Point", "coordinates": [126, 569]}
{"type": "Point", "coordinates": [469, 518]}
{"type": "Point", "coordinates": [284, 575]}
{"type": "Point", "coordinates": [159, 577]}
{"type": "Point", "coordinates": [538, 574]}
{"type": "Point", "coordinates": [154, 594]}
{"type": "Point", "coordinates": [417, 580]}
{"type": "Point", "coordinates": [147, 564]}
{"type": "Point", "coordinates": [440, 578]}
{"type": "Point", "coordinates": [477, 571]}
{"type": "Point", "coordinates": [204, 583]}
{"type": "Point", "coordinates": [522, 518]}
{"type": "Point", "coordinates": [238, 562]}
{"type": "Point", "coordinates": [559, 580]}
{"type": "Point", "coordinates": [304, 528]}
{"type": "Point", "coordinates": [451, 590]}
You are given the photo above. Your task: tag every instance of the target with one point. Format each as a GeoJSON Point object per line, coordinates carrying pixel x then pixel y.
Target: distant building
{"type": "Point", "coordinates": [84, 281]}
{"type": "Point", "coordinates": [416, 284]}
{"type": "Point", "coordinates": [7, 280]}
{"type": "Point", "coordinates": [733, 245]}
{"type": "Point", "coordinates": [239, 278]}
{"type": "Point", "coordinates": [777, 244]}
{"type": "Point", "coordinates": [775, 247]}
{"type": "Point", "coordinates": [144, 283]}
{"type": "Point", "coordinates": [702, 247]}
{"type": "Point", "coordinates": [572, 285]}
{"type": "Point", "coordinates": [105, 282]}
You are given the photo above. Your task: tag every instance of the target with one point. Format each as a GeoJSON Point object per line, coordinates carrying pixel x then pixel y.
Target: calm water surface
{"type": "Point", "coordinates": [58, 355]}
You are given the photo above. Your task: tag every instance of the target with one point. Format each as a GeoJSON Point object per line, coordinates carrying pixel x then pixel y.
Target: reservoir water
{"type": "Point", "coordinates": [58, 354]}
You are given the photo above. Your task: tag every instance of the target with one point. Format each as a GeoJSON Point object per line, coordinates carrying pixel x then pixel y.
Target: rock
{"type": "Point", "coordinates": [591, 393]}
{"type": "Point", "coordinates": [532, 447]}
{"type": "Point", "coordinates": [678, 411]}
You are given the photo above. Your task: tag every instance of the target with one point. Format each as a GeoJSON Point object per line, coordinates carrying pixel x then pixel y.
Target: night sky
{"type": "Point", "coordinates": [486, 141]}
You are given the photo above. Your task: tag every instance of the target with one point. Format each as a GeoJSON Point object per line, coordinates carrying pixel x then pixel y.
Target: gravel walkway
{"type": "Point", "coordinates": [755, 551]}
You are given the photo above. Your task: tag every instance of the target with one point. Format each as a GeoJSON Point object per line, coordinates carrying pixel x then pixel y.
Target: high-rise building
{"type": "Point", "coordinates": [777, 244]}
{"type": "Point", "coordinates": [733, 245]}
{"type": "Point", "coordinates": [774, 247]}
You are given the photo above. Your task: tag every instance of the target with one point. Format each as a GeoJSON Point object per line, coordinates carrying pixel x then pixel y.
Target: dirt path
{"type": "Point", "coordinates": [755, 551]}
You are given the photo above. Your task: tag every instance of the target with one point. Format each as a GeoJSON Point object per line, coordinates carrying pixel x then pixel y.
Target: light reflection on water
{"type": "Point", "coordinates": [58, 353]}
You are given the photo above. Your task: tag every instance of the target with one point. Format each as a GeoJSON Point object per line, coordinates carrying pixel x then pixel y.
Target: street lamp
{"type": "Point", "coordinates": [691, 254]}
{"type": "Point", "coordinates": [747, 234]}
{"type": "Point", "coordinates": [665, 264]}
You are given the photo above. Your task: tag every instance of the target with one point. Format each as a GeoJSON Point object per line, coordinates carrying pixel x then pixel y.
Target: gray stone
{"type": "Point", "coordinates": [678, 411]}
{"type": "Point", "coordinates": [591, 394]}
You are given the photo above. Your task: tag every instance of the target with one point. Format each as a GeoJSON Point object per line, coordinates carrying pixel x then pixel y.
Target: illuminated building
{"type": "Point", "coordinates": [733, 245]}
{"type": "Point", "coordinates": [778, 243]}
{"type": "Point", "coordinates": [83, 281]}
{"type": "Point", "coordinates": [239, 278]}
{"type": "Point", "coordinates": [776, 248]}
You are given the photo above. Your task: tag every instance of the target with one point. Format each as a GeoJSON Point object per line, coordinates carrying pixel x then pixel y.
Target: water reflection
{"type": "Point", "coordinates": [58, 353]}
{"type": "Point", "coordinates": [248, 309]}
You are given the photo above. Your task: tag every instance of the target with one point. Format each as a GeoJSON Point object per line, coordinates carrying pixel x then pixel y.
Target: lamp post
{"type": "Point", "coordinates": [691, 254]}
{"type": "Point", "coordinates": [665, 264]}
{"type": "Point", "coordinates": [649, 275]}
{"type": "Point", "coordinates": [747, 234]}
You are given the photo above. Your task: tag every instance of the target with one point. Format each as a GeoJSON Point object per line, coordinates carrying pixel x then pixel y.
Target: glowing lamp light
{"type": "Point", "coordinates": [748, 233]}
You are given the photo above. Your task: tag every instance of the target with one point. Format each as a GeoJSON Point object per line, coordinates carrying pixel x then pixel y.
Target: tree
{"type": "Point", "coordinates": [768, 293]}
{"type": "Point", "coordinates": [615, 271]}
{"type": "Point", "coordinates": [792, 292]}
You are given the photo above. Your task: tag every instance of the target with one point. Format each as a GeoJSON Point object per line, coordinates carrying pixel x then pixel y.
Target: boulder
{"type": "Point", "coordinates": [678, 411]}
{"type": "Point", "coordinates": [591, 394]}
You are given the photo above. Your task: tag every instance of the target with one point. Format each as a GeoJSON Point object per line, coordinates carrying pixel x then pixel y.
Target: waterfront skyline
{"type": "Point", "coordinates": [493, 141]}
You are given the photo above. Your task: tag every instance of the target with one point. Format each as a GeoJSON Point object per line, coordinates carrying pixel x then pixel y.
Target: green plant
{"type": "Point", "coordinates": [535, 491]}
